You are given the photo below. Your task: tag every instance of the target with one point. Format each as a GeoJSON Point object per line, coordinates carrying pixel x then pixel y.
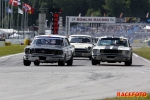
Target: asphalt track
{"type": "Point", "coordinates": [82, 81]}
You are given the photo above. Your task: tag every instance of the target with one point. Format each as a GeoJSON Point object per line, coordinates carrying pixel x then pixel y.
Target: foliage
{"type": "Point", "coordinates": [129, 8]}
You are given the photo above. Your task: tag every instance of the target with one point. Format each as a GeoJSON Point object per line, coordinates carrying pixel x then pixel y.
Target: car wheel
{"type": "Point", "coordinates": [98, 62]}
{"type": "Point", "coordinates": [128, 63]}
{"type": "Point", "coordinates": [26, 62]}
{"type": "Point", "coordinates": [62, 63]}
{"type": "Point", "coordinates": [70, 62]}
{"type": "Point", "coordinates": [90, 58]}
{"type": "Point", "coordinates": [36, 63]}
{"type": "Point", "coordinates": [94, 62]}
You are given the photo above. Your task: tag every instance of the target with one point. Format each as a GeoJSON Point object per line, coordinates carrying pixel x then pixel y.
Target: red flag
{"type": "Point", "coordinates": [14, 2]}
{"type": "Point", "coordinates": [26, 7]}
{"type": "Point", "coordinates": [31, 11]}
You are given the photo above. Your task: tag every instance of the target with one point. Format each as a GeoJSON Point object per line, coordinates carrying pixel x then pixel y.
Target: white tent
{"type": "Point", "coordinates": [146, 27]}
{"type": "Point", "coordinates": [15, 36]}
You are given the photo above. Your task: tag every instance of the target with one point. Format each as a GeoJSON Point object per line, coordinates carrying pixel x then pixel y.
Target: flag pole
{"type": "Point", "coordinates": [2, 15]}
{"type": "Point", "coordinates": [22, 20]}
{"type": "Point", "coordinates": [18, 25]}
{"type": "Point", "coordinates": [0, 12]}
{"type": "Point", "coordinates": [5, 24]}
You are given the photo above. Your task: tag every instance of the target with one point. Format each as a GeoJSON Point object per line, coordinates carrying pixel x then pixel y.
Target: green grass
{"type": "Point", "coordinates": [12, 49]}
{"type": "Point", "coordinates": [129, 98]}
{"type": "Point", "coordinates": [143, 52]}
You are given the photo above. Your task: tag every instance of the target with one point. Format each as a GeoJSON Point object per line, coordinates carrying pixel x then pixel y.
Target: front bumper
{"type": "Point", "coordinates": [80, 54]}
{"type": "Point", "coordinates": [44, 58]}
{"type": "Point", "coordinates": [115, 58]}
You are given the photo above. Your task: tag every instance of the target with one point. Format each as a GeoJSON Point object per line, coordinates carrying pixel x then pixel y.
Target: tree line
{"type": "Point", "coordinates": [98, 8]}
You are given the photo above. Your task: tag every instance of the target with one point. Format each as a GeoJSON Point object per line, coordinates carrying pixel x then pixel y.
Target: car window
{"type": "Point", "coordinates": [112, 42]}
{"type": "Point", "coordinates": [80, 39]}
{"type": "Point", "coordinates": [49, 41]}
{"type": "Point", "coordinates": [66, 42]}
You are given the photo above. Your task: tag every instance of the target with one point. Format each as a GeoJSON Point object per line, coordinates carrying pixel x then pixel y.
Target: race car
{"type": "Point", "coordinates": [112, 50]}
{"type": "Point", "coordinates": [83, 45]}
{"type": "Point", "coordinates": [49, 49]}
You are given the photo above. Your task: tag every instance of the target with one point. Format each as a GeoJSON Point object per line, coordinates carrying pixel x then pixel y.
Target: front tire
{"type": "Point", "coordinates": [90, 58]}
{"type": "Point", "coordinates": [36, 63]}
{"type": "Point", "coordinates": [128, 63]}
{"type": "Point", "coordinates": [70, 62]}
{"type": "Point", "coordinates": [94, 62]}
{"type": "Point", "coordinates": [62, 63]}
{"type": "Point", "coordinates": [26, 62]}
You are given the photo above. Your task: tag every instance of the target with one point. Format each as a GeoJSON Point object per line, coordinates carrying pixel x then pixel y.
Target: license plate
{"type": "Point", "coordinates": [78, 54]}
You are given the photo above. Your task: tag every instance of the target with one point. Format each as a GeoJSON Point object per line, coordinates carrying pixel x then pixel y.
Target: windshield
{"type": "Point", "coordinates": [80, 40]}
{"type": "Point", "coordinates": [112, 42]}
{"type": "Point", "coordinates": [49, 41]}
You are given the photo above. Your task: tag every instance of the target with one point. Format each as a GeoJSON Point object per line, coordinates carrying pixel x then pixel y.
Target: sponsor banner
{"type": "Point", "coordinates": [92, 19]}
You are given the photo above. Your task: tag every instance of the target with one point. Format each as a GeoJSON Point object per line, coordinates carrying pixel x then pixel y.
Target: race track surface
{"type": "Point", "coordinates": [82, 81]}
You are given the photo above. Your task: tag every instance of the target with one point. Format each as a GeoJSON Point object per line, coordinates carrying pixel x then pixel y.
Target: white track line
{"type": "Point", "coordinates": [10, 55]}
{"type": "Point", "coordinates": [141, 58]}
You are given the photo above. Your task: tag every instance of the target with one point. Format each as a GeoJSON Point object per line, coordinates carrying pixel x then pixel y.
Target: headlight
{"type": "Point", "coordinates": [27, 50]}
{"type": "Point", "coordinates": [89, 48]}
{"type": "Point", "coordinates": [127, 52]}
{"type": "Point", "coordinates": [96, 51]}
{"type": "Point", "coordinates": [59, 52]}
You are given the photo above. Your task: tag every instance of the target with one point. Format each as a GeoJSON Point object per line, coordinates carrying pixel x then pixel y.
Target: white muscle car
{"type": "Point", "coordinates": [112, 50]}
{"type": "Point", "coordinates": [49, 49]}
{"type": "Point", "coordinates": [83, 45]}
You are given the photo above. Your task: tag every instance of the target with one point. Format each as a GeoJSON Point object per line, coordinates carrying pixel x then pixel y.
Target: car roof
{"type": "Point", "coordinates": [80, 35]}
{"type": "Point", "coordinates": [112, 37]}
{"type": "Point", "coordinates": [50, 35]}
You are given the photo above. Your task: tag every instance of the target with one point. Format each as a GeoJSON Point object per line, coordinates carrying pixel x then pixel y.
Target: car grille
{"type": "Point", "coordinates": [110, 51]}
{"type": "Point", "coordinates": [81, 50]}
{"type": "Point", "coordinates": [46, 51]}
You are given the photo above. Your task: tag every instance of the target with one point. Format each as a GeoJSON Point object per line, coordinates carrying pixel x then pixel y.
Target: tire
{"type": "Point", "coordinates": [62, 63]}
{"type": "Point", "coordinates": [128, 63]}
{"type": "Point", "coordinates": [98, 62]}
{"type": "Point", "coordinates": [94, 62]}
{"type": "Point", "coordinates": [26, 62]}
{"type": "Point", "coordinates": [90, 58]}
{"type": "Point", "coordinates": [36, 63]}
{"type": "Point", "coordinates": [70, 62]}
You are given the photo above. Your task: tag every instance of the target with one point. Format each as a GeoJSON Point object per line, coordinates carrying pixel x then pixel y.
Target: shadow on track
{"type": "Point", "coordinates": [119, 65]}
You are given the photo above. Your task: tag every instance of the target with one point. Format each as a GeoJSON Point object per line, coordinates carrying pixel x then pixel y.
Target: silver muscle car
{"type": "Point", "coordinates": [49, 49]}
{"type": "Point", "coordinates": [112, 50]}
{"type": "Point", "coordinates": [83, 45]}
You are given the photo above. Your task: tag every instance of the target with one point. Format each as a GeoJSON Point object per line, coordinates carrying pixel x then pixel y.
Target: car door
{"type": "Point", "coordinates": [70, 49]}
{"type": "Point", "coordinates": [66, 47]}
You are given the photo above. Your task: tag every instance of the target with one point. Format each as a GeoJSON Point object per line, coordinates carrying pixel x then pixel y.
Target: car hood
{"type": "Point", "coordinates": [46, 47]}
{"type": "Point", "coordinates": [81, 45]}
{"type": "Point", "coordinates": [112, 47]}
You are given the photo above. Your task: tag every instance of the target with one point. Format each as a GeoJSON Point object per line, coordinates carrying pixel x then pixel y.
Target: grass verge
{"type": "Point", "coordinates": [11, 49]}
{"type": "Point", "coordinates": [143, 52]}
